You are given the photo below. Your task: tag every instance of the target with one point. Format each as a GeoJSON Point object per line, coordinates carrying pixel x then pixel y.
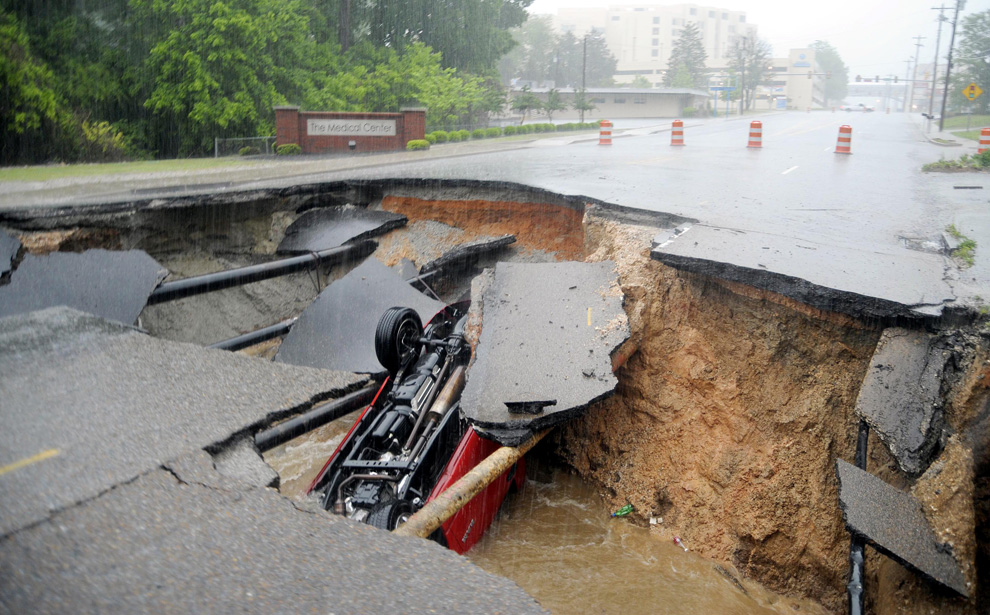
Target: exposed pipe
{"type": "Point", "coordinates": [255, 337]}
{"type": "Point", "coordinates": [857, 543]}
{"type": "Point", "coordinates": [319, 416]}
{"type": "Point", "coordinates": [427, 519]}
{"type": "Point", "coordinates": [197, 285]}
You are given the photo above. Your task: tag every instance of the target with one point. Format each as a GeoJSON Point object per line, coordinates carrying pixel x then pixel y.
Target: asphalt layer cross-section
{"type": "Point", "coordinates": [892, 521]}
{"type": "Point", "coordinates": [89, 404]}
{"type": "Point", "coordinates": [113, 285]}
{"type": "Point", "coordinates": [545, 348]}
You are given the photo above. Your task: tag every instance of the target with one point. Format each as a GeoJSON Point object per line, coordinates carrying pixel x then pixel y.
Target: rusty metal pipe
{"type": "Point", "coordinates": [427, 519]}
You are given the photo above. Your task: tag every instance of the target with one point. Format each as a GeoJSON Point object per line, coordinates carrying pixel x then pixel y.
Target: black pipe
{"type": "Point", "coordinates": [317, 417]}
{"type": "Point", "coordinates": [197, 285]}
{"type": "Point", "coordinates": [255, 337]}
{"type": "Point", "coordinates": [857, 544]}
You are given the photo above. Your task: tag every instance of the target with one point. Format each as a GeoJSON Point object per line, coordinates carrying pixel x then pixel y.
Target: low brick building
{"type": "Point", "coordinates": [322, 132]}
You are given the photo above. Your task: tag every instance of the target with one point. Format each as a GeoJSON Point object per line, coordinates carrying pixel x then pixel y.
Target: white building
{"type": "Point", "coordinates": [642, 36]}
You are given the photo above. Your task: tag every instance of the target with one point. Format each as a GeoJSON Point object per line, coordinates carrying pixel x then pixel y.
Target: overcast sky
{"type": "Point", "coordinates": [874, 37]}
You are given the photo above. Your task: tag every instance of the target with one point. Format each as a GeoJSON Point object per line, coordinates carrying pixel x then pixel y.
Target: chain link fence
{"type": "Point", "coordinates": [244, 146]}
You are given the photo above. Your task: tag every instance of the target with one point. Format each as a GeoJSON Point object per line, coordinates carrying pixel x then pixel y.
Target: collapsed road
{"type": "Point", "coordinates": [717, 397]}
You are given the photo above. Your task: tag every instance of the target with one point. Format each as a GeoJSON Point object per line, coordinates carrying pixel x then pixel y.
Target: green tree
{"type": "Point", "coordinates": [828, 59]}
{"type": "Point", "coordinates": [218, 69]}
{"type": "Point", "coordinates": [582, 104]}
{"type": "Point", "coordinates": [541, 55]}
{"type": "Point", "coordinates": [524, 102]}
{"type": "Point", "coordinates": [28, 102]}
{"type": "Point", "coordinates": [553, 103]}
{"type": "Point", "coordinates": [971, 62]}
{"type": "Point", "coordinates": [640, 82]}
{"type": "Point", "coordinates": [688, 55]}
{"type": "Point", "coordinates": [748, 59]}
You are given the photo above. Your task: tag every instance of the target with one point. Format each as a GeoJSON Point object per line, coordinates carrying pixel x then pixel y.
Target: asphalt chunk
{"type": "Point", "coordinates": [900, 398]}
{"type": "Point", "coordinates": [114, 403]}
{"type": "Point", "coordinates": [544, 354]}
{"type": "Point", "coordinates": [111, 285]}
{"type": "Point", "coordinates": [337, 330]}
{"type": "Point", "coordinates": [321, 229]}
{"type": "Point", "coordinates": [893, 522]}
{"type": "Point", "coordinates": [196, 542]}
{"type": "Point", "coordinates": [9, 247]}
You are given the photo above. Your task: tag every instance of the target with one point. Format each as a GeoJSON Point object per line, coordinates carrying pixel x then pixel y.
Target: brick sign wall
{"type": "Point", "coordinates": [320, 132]}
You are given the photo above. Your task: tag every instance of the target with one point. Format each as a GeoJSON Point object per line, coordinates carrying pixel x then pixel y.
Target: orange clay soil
{"type": "Point", "coordinates": [537, 226]}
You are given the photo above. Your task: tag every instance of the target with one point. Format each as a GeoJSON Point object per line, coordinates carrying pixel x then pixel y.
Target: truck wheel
{"type": "Point", "coordinates": [397, 337]}
{"type": "Point", "coordinates": [388, 516]}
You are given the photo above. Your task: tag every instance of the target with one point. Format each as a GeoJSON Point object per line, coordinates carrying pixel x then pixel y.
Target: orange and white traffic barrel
{"type": "Point", "coordinates": [755, 134]}
{"type": "Point", "coordinates": [677, 133]}
{"type": "Point", "coordinates": [605, 136]}
{"type": "Point", "coordinates": [984, 140]}
{"type": "Point", "coordinates": [844, 144]}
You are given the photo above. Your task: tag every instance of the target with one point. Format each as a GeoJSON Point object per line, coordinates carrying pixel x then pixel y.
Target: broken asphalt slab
{"type": "Point", "coordinates": [900, 397]}
{"type": "Point", "coordinates": [111, 285]}
{"type": "Point", "coordinates": [9, 246]}
{"type": "Point", "coordinates": [860, 282]}
{"type": "Point", "coordinates": [322, 229]}
{"type": "Point", "coordinates": [185, 539]}
{"type": "Point", "coordinates": [893, 522]}
{"type": "Point", "coordinates": [467, 254]}
{"type": "Point", "coordinates": [544, 354]}
{"type": "Point", "coordinates": [337, 331]}
{"type": "Point", "coordinates": [89, 404]}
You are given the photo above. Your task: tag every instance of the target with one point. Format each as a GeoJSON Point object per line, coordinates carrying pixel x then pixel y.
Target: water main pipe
{"type": "Point", "coordinates": [197, 285]}
{"type": "Point", "coordinates": [857, 543]}
{"type": "Point", "coordinates": [428, 518]}
{"type": "Point", "coordinates": [255, 337]}
{"type": "Point", "coordinates": [317, 417]}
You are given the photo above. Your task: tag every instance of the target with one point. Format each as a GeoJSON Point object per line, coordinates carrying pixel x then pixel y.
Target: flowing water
{"type": "Point", "coordinates": [557, 540]}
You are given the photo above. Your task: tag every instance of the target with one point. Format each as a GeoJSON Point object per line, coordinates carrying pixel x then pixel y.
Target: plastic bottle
{"type": "Point", "coordinates": [622, 512]}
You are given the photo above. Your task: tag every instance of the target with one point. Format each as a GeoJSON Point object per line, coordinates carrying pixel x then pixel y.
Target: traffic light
{"type": "Point", "coordinates": [859, 78]}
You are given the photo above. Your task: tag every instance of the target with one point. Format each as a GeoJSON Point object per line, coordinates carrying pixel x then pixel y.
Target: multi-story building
{"type": "Point", "coordinates": [642, 36]}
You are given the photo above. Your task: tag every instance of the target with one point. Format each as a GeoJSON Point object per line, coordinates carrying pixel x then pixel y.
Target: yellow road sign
{"type": "Point", "coordinates": [972, 91]}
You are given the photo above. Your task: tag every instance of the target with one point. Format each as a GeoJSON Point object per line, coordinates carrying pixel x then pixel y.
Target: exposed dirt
{"type": "Point", "coordinates": [537, 226]}
{"type": "Point", "coordinates": [727, 422]}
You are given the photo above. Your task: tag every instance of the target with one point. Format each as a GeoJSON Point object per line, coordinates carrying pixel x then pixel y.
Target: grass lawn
{"type": "Point", "coordinates": [968, 134]}
{"type": "Point", "coordinates": [959, 122]}
{"type": "Point", "coordinates": [57, 171]}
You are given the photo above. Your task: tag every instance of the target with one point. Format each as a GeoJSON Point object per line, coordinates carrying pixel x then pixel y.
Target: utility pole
{"type": "Point", "coordinates": [948, 65]}
{"type": "Point", "coordinates": [584, 76]}
{"type": "Point", "coordinates": [914, 72]}
{"type": "Point", "coordinates": [742, 89]}
{"type": "Point", "coordinates": [938, 40]}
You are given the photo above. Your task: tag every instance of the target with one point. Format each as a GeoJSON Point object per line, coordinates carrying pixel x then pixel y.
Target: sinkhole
{"type": "Point", "coordinates": [731, 408]}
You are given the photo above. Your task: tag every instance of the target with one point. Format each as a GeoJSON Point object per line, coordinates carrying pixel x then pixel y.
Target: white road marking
{"type": "Point", "coordinates": [827, 148]}
{"type": "Point", "coordinates": [788, 170]}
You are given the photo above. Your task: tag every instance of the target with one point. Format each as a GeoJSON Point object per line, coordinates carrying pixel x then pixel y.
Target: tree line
{"type": "Point", "coordinates": [114, 79]}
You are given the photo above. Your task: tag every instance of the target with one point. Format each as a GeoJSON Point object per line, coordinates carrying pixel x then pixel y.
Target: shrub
{"type": "Point", "coordinates": [510, 130]}
{"type": "Point", "coordinates": [288, 149]}
{"type": "Point", "coordinates": [493, 132]}
{"type": "Point", "coordinates": [478, 133]}
{"type": "Point", "coordinates": [565, 127]}
{"type": "Point", "coordinates": [689, 111]}
{"type": "Point", "coordinates": [549, 128]}
{"type": "Point", "coordinates": [417, 144]}
{"type": "Point", "coordinates": [465, 135]}
{"type": "Point", "coordinates": [440, 135]}
{"type": "Point", "coordinates": [526, 129]}
{"type": "Point", "coordinates": [430, 137]}
{"type": "Point", "coordinates": [248, 150]}
{"type": "Point", "coordinates": [538, 127]}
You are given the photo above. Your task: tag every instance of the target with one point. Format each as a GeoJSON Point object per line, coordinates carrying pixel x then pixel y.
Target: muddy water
{"type": "Point", "coordinates": [559, 543]}
{"type": "Point", "coordinates": [557, 540]}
